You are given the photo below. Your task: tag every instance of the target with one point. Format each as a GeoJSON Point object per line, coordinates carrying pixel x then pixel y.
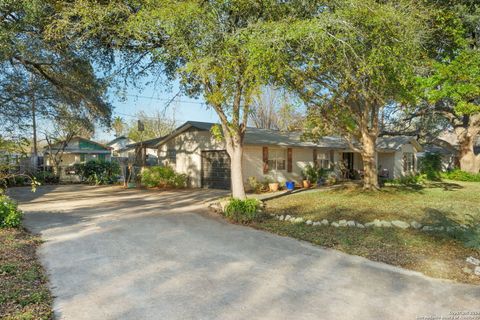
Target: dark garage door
{"type": "Point", "coordinates": [215, 169]}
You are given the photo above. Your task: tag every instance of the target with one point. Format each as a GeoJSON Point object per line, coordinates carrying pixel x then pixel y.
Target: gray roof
{"type": "Point", "coordinates": [256, 136]}
{"type": "Point", "coordinates": [116, 139]}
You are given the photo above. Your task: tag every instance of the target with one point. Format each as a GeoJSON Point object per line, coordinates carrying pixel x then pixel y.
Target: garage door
{"type": "Point", "coordinates": [215, 169]}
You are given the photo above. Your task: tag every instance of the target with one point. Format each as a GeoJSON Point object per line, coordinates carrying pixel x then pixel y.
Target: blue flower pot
{"type": "Point", "coordinates": [290, 185]}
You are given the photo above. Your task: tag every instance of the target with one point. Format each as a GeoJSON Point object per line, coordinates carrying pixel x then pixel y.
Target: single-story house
{"type": "Point", "coordinates": [446, 145]}
{"type": "Point", "coordinates": [118, 144]}
{"type": "Point", "coordinates": [78, 150]}
{"type": "Point", "coordinates": [274, 155]}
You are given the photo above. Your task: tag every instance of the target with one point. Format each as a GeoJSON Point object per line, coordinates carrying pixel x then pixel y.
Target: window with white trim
{"type": "Point", "coordinates": [323, 160]}
{"type": "Point", "coordinates": [408, 162]}
{"type": "Point", "coordinates": [277, 159]}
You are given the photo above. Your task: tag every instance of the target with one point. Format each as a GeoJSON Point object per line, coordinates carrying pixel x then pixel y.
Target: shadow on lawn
{"type": "Point", "coordinates": [446, 186]}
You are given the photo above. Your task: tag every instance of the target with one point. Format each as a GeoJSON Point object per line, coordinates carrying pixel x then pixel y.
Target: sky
{"type": "Point", "coordinates": [150, 99]}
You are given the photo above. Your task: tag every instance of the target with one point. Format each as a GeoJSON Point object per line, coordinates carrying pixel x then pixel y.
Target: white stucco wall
{"type": "Point", "coordinates": [398, 169]}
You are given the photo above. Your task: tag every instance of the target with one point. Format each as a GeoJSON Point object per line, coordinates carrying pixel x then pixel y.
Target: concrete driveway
{"type": "Point", "coordinates": [128, 254]}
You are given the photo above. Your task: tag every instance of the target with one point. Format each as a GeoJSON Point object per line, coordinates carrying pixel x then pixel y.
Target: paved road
{"type": "Point", "coordinates": [127, 254]}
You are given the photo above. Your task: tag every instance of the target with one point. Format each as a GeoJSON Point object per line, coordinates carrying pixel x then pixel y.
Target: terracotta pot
{"type": "Point", "coordinates": [273, 186]}
{"type": "Point", "coordinates": [306, 184]}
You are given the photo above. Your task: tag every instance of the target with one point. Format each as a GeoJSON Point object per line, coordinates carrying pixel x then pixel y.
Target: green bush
{"type": "Point", "coordinates": [98, 171]}
{"type": "Point", "coordinates": [431, 166]}
{"type": "Point", "coordinates": [256, 186]}
{"type": "Point", "coordinates": [460, 175]}
{"type": "Point", "coordinates": [162, 177]}
{"type": "Point", "coordinates": [243, 211]}
{"type": "Point", "coordinates": [10, 216]}
{"type": "Point", "coordinates": [410, 179]}
{"type": "Point", "coordinates": [46, 177]}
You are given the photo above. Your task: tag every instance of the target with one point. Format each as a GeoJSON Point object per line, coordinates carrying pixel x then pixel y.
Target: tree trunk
{"type": "Point", "coordinates": [370, 179]}
{"type": "Point", "coordinates": [469, 162]}
{"type": "Point", "coordinates": [235, 151]}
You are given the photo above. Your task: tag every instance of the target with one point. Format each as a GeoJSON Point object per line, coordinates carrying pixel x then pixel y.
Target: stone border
{"type": "Point", "coordinates": [375, 223]}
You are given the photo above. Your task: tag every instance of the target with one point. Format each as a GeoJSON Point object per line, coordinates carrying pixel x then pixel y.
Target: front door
{"type": "Point", "coordinates": [348, 161]}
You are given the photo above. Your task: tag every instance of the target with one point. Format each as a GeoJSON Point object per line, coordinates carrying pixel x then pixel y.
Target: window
{"type": "Point", "coordinates": [323, 161]}
{"type": "Point", "coordinates": [172, 156]}
{"type": "Point", "coordinates": [408, 162]}
{"type": "Point", "coordinates": [101, 157]}
{"type": "Point", "coordinates": [277, 159]}
{"type": "Point", "coordinates": [82, 157]}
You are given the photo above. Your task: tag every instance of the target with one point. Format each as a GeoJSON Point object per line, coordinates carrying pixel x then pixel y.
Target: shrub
{"type": "Point", "coordinates": [242, 211]}
{"type": "Point", "coordinates": [410, 179]}
{"type": "Point", "coordinates": [10, 216]}
{"type": "Point", "coordinates": [431, 166]}
{"type": "Point", "coordinates": [311, 174]}
{"type": "Point", "coordinates": [460, 175]}
{"type": "Point", "coordinates": [46, 177]}
{"type": "Point", "coordinates": [163, 177]}
{"type": "Point", "coordinates": [98, 171]}
{"type": "Point", "coordinates": [255, 185]}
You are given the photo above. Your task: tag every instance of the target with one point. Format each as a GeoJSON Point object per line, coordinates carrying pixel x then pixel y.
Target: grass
{"type": "Point", "coordinates": [24, 293]}
{"type": "Point", "coordinates": [434, 254]}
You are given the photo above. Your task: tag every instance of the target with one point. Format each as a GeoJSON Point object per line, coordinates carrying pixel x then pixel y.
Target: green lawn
{"type": "Point", "coordinates": [434, 253]}
{"type": "Point", "coordinates": [24, 293]}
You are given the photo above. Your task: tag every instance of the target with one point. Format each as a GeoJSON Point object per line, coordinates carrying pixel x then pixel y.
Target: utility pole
{"type": "Point", "coordinates": [34, 125]}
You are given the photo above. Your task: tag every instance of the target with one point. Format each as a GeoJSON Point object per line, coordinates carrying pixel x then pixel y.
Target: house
{"type": "Point", "coordinates": [275, 155]}
{"type": "Point", "coordinates": [446, 145]}
{"type": "Point", "coordinates": [118, 144]}
{"type": "Point", "coordinates": [143, 152]}
{"type": "Point", "coordinates": [78, 150]}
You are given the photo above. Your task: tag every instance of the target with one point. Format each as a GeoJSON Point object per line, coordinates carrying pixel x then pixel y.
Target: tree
{"type": "Point", "coordinates": [155, 126]}
{"type": "Point", "coordinates": [118, 126]}
{"type": "Point", "coordinates": [453, 90]}
{"type": "Point", "coordinates": [38, 73]}
{"type": "Point", "coordinates": [67, 126]}
{"type": "Point", "coordinates": [271, 109]}
{"type": "Point", "coordinates": [204, 44]}
{"type": "Point", "coordinates": [347, 64]}
{"type": "Point", "coordinates": [450, 83]}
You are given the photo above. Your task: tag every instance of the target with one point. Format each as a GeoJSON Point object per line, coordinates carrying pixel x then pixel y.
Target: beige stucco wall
{"type": "Point", "coordinates": [386, 160]}
{"type": "Point", "coordinates": [253, 164]}
{"type": "Point", "coordinates": [190, 144]}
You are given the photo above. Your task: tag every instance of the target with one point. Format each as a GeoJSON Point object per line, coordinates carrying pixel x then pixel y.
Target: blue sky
{"type": "Point", "coordinates": [150, 99]}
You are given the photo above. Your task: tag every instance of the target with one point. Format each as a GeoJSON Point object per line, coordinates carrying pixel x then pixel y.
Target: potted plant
{"type": "Point", "coordinates": [272, 185]}
{"type": "Point", "coordinates": [309, 176]}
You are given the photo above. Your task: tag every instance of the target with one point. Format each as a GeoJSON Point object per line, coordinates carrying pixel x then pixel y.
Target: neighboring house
{"type": "Point", "coordinates": [118, 144]}
{"type": "Point", "coordinates": [146, 150]}
{"type": "Point", "coordinates": [274, 155]}
{"type": "Point", "coordinates": [446, 145]}
{"type": "Point", "coordinates": [78, 150]}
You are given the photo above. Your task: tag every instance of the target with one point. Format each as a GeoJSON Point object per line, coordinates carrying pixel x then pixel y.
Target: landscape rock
{"type": "Point", "coordinates": [325, 222]}
{"type": "Point", "coordinates": [400, 224]}
{"type": "Point", "coordinates": [428, 228]}
{"type": "Point", "coordinates": [377, 223]}
{"type": "Point", "coordinates": [467, 270]}
{"type": "Point", "coordinates": [476, 271]}
{"type": "Point", "coordinates": [473, 261]}
{"type": "Point", "coordinates": [416, 225]}
{"type": "Point", "coordinates": [359, 225]}
{"type": "Point", "coordinates": [316, 223]}
{"type": "Point", "coordinates": [281, 218]}
{"type": "Point", "coordinates": [386, 224]}
{"type": "Point", "coordinates": [287, 217]}
{"type": "Point", "coordinates": [351, 223]}
{"type": "Point", "coordinates": [298, 220]}
{"type": "Point", "coordinates": [336, 225]}
{"type": "Point", "coordinates": [309, 222]}
{"type": "Point", "coordinates": [342, 223]}
{"type": "Point", "coordinates": [369, 224]}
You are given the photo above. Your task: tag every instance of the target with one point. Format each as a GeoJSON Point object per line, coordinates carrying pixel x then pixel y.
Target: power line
{"type": "Point", "coordinates": [163, 99]}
